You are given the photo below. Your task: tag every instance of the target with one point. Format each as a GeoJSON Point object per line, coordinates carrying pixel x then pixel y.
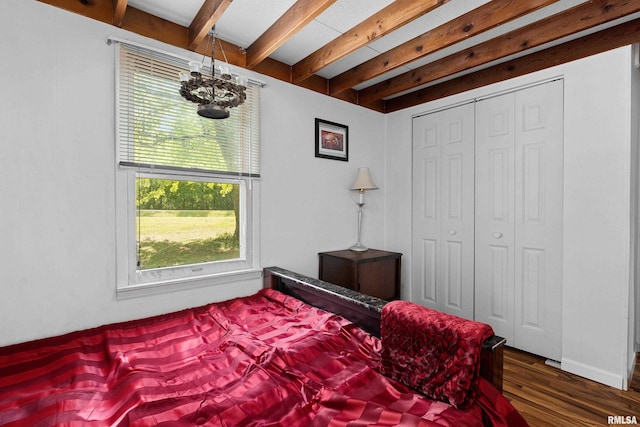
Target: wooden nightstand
{"type": "Point", "coordinates": [372, 272]}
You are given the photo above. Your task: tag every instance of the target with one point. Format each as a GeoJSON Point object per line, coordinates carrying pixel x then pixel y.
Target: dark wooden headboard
{"type": "Point", "coordinates": [365, 310]}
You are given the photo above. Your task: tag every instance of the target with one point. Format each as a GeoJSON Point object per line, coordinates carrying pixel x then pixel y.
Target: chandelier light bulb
{"type": "Point", "coordinates": [194, 67]}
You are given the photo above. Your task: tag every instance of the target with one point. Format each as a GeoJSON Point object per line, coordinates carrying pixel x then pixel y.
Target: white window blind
{"type": "Point", "coordinates": [158, 129]}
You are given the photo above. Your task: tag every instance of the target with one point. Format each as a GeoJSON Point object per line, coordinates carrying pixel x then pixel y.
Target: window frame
{"type": "Point", "coordinates": [144, 276]}
{"type": "Point", "coordinates": [130, 282]}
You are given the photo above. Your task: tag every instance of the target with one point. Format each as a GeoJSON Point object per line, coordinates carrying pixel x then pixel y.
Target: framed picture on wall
{"type": "Point", "coordinates": [332, 140]}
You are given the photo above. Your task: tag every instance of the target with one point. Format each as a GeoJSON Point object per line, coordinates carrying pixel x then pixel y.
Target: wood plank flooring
{"type": "Point", "coordinates": [546, 396]}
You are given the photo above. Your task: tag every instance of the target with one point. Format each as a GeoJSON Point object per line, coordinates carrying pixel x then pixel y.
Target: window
{"type": "Point", "coordinates": [185, 184]}
{"type": "Point", "coordinates": [186, 221]}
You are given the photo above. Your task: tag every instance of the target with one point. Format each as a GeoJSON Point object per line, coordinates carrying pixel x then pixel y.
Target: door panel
{"type": "Point", "coordinates": [428, 268]}
{"type": "Point", "coordinates": [457, 225]}
{"type": "Point", "coordinates": [538, 225]}
{"type": "Point", "coordinates": [454, 191]}
{"type": "Point", "coordinates": [443, 193]}
{"type": "Point", "coordinates": [430, 183]}
{"type": "Point", "coordinates": [454, 280]}
{"type": "Point", "coordinates": [494, 212]}
{"type": "Point", "coordinates": [427, 140]}
{"type": "Point", "coordinates": [499, 310]}
{"type": "Point", "coordinates": [533, 273]}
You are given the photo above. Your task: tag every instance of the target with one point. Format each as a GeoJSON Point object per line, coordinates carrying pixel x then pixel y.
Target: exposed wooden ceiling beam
{"type": "Point", "coordinates": [600, 11]}
{"type": "Point", "coordinates": [142, 23]}
{"type": "Point", "coordinates": [475, 22]}
{"type": "Point", "coordinates": [293, 20]}
{"type": "Point", "coordinates": [602, 41]}
{"type": "Point", "coordinates": [397, 14]}
{"type": "Point", "coordinates": [119, 8]}
{"type": "Point", "coordinates": [579, 18]}
{"type": "Point", "coordinates": [101, 11]}
{"type": "Point", "coordinates": [206, 17]}
{"type": "Point", "coordinates": [147, 25]}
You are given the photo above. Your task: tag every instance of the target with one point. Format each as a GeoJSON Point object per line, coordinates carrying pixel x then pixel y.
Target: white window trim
{"type": "Point", "coordinates": [125, 238]}
{"type": "Point", "coordinates": [128, 287]}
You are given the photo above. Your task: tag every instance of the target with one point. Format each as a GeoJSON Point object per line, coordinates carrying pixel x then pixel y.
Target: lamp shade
{"type": "Point", "coordinates": [363, 181]}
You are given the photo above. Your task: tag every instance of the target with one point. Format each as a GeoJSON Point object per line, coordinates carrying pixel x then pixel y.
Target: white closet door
{"type": "Point", "coordinates": [518, 241]}
{"type": "Point", "coordinates": [494, 211]}
{"type": "Point", "coordinates": [443, 193]}
{"type": "Point", "coordinates": [538, 226]}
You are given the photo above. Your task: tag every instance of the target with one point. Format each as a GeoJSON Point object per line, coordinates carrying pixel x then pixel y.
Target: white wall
{"type": "Point", "coordinates": [597, 232]}
{"type": "Point", "coordinates": [57, 225]}
{"type": "Point", "coordinates": [307, 206]}
{"type": "Point", "coordinates": [597, 207]}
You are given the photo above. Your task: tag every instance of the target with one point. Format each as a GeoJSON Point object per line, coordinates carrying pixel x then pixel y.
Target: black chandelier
{"type": "Point", "coordinates": [216, 94]}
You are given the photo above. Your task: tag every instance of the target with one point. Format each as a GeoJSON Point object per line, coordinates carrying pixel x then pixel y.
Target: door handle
{"type": "Point", "coordinates": [497, 235]}
{"type": "Point", "coordinates": [453, 232]}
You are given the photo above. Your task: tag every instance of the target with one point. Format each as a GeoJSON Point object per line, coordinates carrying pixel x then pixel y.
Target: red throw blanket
{"type": "Point", "coordinates": [433, 352]}
{"type": "Point", "coordinates": [263, 360]}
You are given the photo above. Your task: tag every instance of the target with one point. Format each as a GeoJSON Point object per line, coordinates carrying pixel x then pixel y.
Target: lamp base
{"type": "Point", "coordinates": [359, 247]}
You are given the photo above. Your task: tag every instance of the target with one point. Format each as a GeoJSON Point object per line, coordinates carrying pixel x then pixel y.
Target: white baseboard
{"type": "Point", "coordinates": [594, 374]}
{"type": "Point", "coordinates": [631, 368]}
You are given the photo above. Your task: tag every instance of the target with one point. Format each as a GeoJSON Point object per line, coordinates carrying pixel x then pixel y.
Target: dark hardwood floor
{"type": "Point", "coordinates": [546, 396]}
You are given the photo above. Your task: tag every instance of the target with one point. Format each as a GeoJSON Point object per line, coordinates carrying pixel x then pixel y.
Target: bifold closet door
{"type": "Point", "coordinates": [442, 263]}
{"type": "Point", "coordinates": [518, 208]}
{"type": "Point", "coordinates": [494, 214]}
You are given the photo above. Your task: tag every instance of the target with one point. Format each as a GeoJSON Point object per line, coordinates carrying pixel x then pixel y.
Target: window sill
{"type": "Point", "coordinates": [156, 288]}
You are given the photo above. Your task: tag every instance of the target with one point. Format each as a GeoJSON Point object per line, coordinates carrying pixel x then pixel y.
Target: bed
{"type": "Point", "coordinates": [300, 352]}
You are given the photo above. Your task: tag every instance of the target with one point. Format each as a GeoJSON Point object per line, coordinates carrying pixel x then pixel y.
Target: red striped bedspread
{"type": "Point", "coordinates": [262, 360]}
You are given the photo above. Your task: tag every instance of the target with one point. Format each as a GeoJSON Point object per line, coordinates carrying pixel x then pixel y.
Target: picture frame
{"type": "Point", "coordinates": [332, 140]}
